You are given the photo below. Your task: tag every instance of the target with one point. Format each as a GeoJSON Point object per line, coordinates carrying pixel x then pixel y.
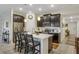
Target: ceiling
{"type": "Point", "coordinates": [65, 9]}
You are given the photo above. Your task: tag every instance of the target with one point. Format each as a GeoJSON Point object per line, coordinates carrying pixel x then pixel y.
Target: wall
{"type": "Point", "coordinates": [78, 29]}
{"type": "Point", "coordinates": [5, 16]}
{"type": "Point", "coordinates": [73, 28]}
{"type": "Point", "coordinates": [73, 25]}
{"type": "Point", "coordinates": [0, 28]}
{"type": "Point", "coordinates": [30, 24]}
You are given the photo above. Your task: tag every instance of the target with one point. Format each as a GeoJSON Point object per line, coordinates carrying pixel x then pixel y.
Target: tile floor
{"type": "Point", "coordinates": [63, 48]}
{"type": "Point", "coordinates": [6, 48]}
{"type": "Point", "coordinates": [67, 46]}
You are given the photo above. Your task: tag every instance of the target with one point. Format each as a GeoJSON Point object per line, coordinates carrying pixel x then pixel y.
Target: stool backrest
{"type": "Point", "coordinates": [30, 39]}
{"type": "Point", "coordinates": [24, 37]}
{"type": "Point", "coordinates": [17, 36]}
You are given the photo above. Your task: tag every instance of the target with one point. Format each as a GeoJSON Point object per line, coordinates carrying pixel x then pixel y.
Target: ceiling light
{"type": "Point", "coordinates": [71, 17]}
{"type": "Point", "coordinates": [20, 9]}
{"type": "Point", "coordinates": [40, 9]}
{"type": "Point", "coordinates": [52, 5]}
{"type": "Point", "coordinates": [30, 4]}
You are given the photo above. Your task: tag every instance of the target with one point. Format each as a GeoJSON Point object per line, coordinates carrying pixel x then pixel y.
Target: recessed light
{"type": "Point", "coordinates": [30, 4]}
{"type": "Point", "coordinates": [71, 17]}
{"type": "Point", "coordinates": [40, 9]}
{"type": "Point", "coordinates": [20, 9]}
{"type": "Point", "coordinates": [52, 5]}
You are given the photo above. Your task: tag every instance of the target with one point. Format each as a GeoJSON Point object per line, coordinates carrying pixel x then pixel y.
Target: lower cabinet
{"type": "Point", "coordinates": [50, 44]}
{"type": "Point", "coordinates": [55, 38]}
{"type": "Point", "coordinates": [77, 45]}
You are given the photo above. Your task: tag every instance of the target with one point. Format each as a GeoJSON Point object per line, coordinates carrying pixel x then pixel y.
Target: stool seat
{"type": "Point", "coordinates": [36, 43]}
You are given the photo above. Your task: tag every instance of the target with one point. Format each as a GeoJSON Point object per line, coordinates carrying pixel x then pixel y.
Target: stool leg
{"type": "Point", "coordinates": [26, 49]}
{"type": "Point", "coordinates": [33, 48]}
{"type": "Point", "coordinates": [20, 47]}
{"type": "Point", "coordinates": [15, 46]}
{"type": "Point", "coordinates": [39, 48]}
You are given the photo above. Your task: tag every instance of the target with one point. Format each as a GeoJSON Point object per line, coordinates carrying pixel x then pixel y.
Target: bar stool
{"type": "Point", "coordinates": [23, 41]}
{"type": "Point", "coordinates": [26, 47]}
{"type": "Point", "coordinates": [31, 45]}
{"type": "Point", "coordinates": [17, 40]}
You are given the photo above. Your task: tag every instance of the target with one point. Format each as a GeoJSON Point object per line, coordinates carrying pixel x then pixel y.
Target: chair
{"type": "Point", "coordinates": [31, 45]}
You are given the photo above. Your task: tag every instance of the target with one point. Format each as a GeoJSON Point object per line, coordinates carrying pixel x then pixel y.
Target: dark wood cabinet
{"type": "Point", "coordinates": [77, 45]}
{"type": "Point", "coordinates": [50, 44]}
{"type": "Point", "coordinates": [51, 20]}
{"type": "Point", "coordinates": [55, 20]}
{"type": "Point", "coordinates": [56, 37]}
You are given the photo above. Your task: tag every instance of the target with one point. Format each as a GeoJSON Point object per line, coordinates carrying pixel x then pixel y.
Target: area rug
{"type": "Point", "coordinates": [55, 45]}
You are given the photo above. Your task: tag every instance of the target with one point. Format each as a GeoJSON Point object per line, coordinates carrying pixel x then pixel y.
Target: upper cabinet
{"type": "Point", "coordinates": [55, 20]}
{"type": "Point", "coordinates": [49, 20]}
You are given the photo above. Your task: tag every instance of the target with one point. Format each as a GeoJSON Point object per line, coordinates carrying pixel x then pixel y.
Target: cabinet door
{"type": "Point", "coordinates": [77, 45]}
{"type": "Point", "coordinates": [49, 20]}
{"type": "Point", "coordinates": [55, 20]}
{"type": "Point", "coordinates": [46, 20]}
{"type": "Point", "coordinates": [50, 44]}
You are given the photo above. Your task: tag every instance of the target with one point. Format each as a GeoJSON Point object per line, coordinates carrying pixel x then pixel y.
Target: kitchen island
{"type": "Point", "coordinates": [43, 38]}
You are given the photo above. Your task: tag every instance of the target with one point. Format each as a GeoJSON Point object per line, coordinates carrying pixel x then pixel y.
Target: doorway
{"type": "Point", "coordinates": [72, 26]}
{"type": "Point", "coordinates": [18, 24]}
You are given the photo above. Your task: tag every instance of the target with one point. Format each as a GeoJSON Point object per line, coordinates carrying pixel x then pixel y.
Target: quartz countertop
{"type": "Point", "coordinates": [42, 36]}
